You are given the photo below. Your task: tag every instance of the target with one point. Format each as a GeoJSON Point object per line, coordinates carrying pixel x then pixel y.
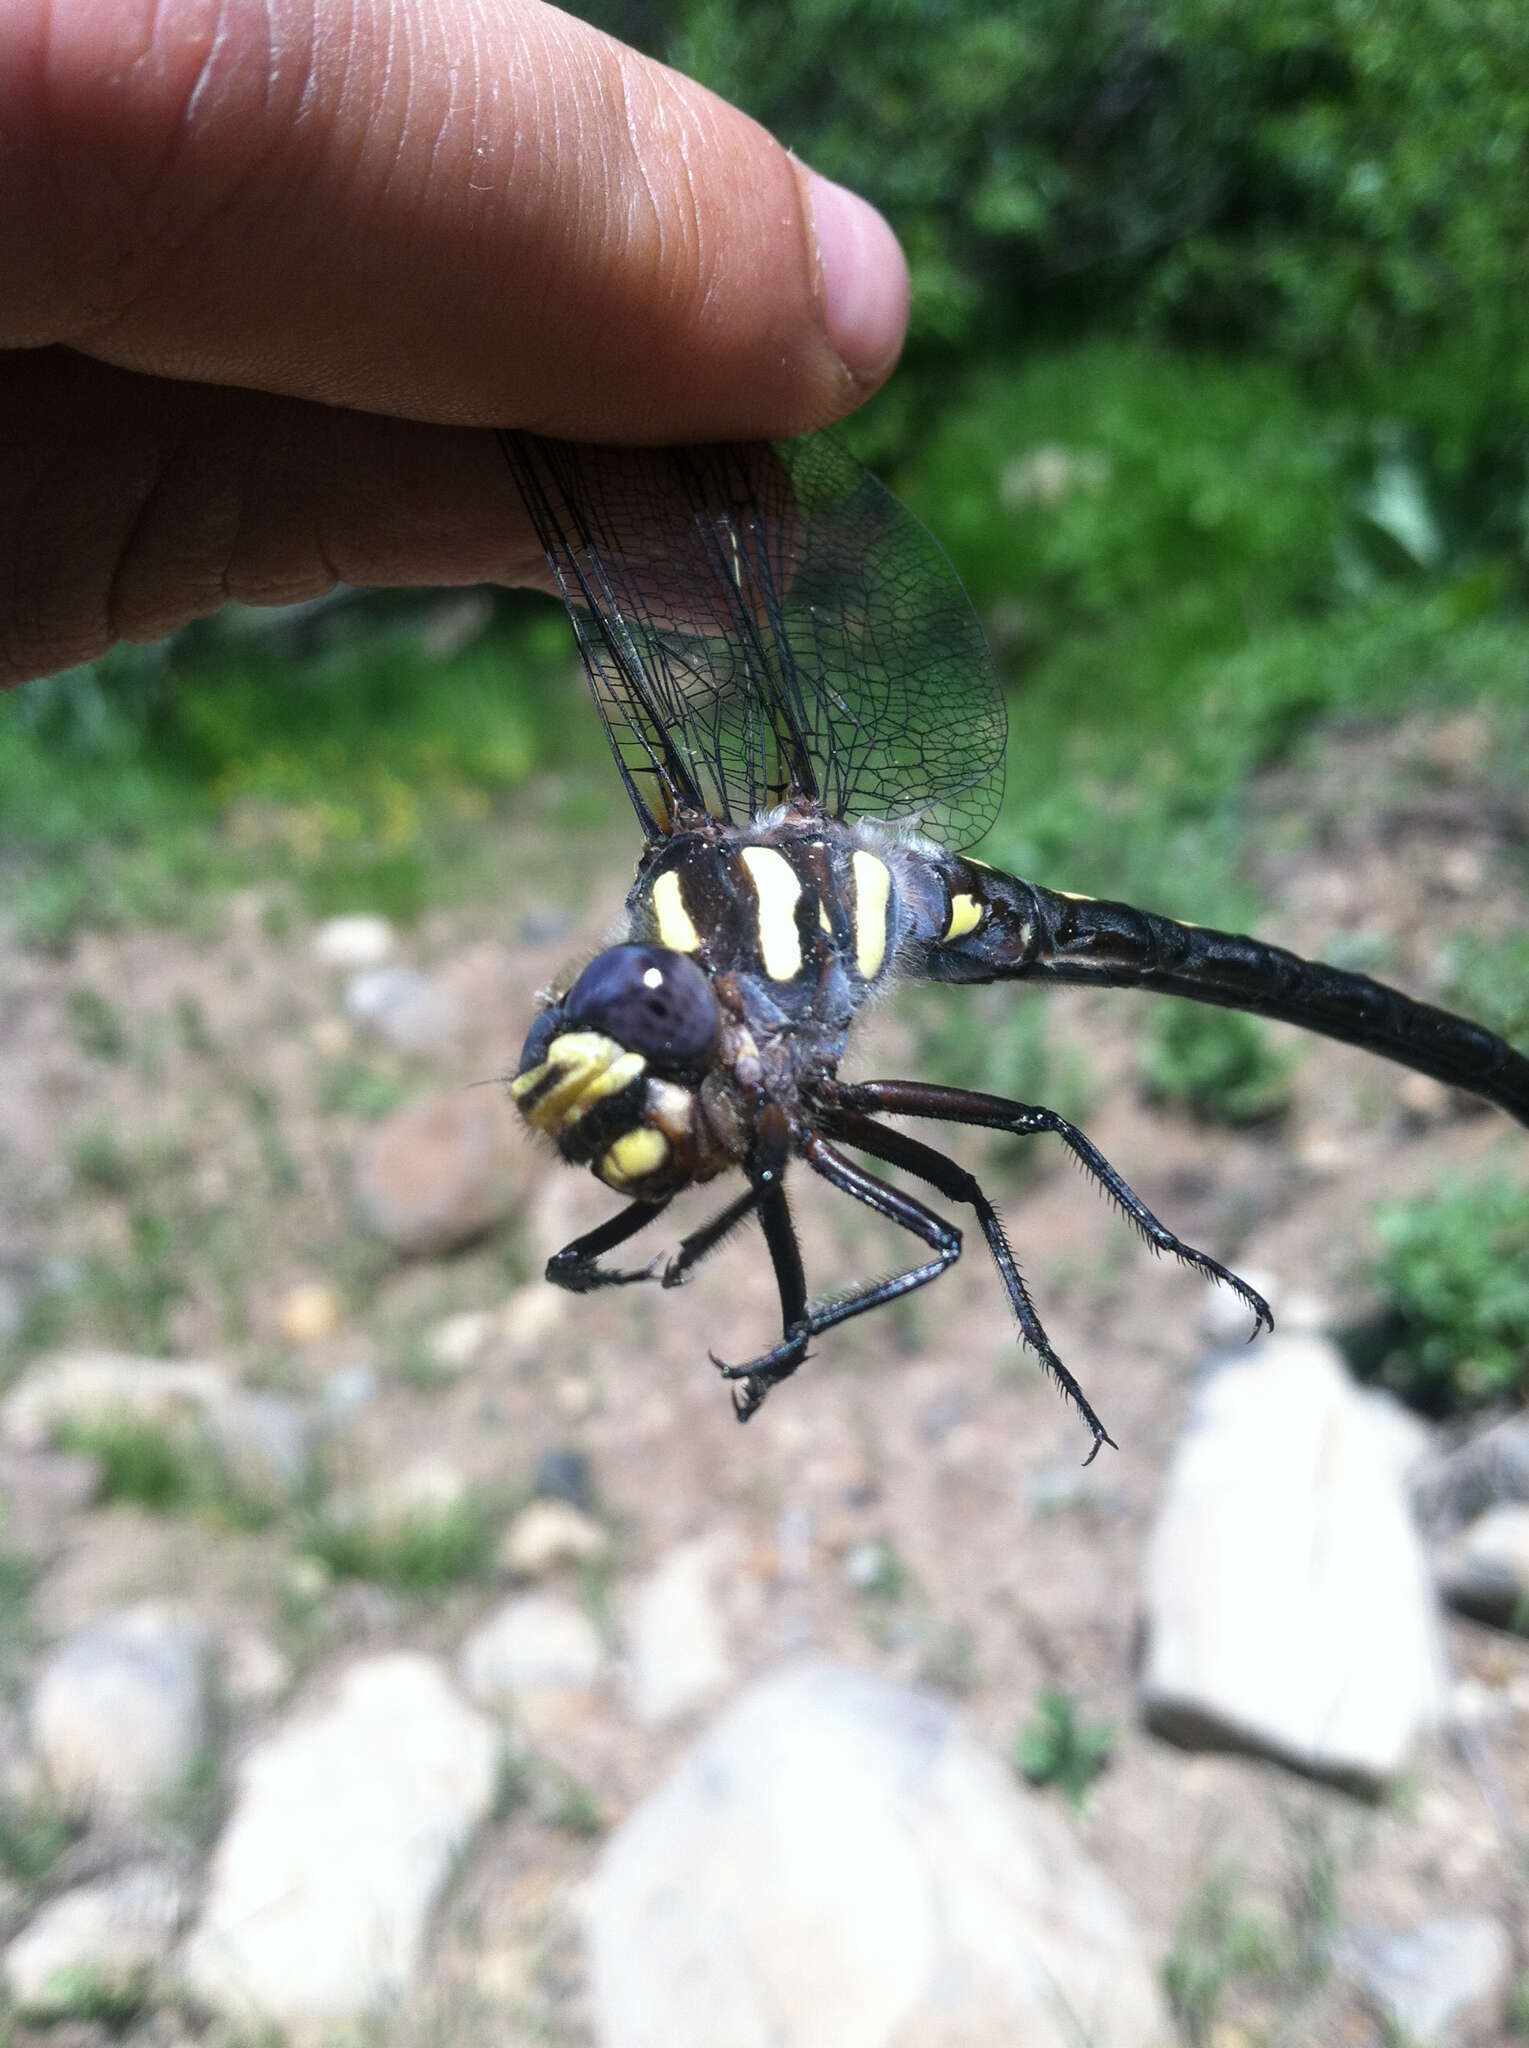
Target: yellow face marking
{"type": "Point", "coordinates": [825, 920]}
{"type": "Point", "coordinates": [778, 891]}
{"type": "Point", "coordinates": [633, 1157]}
{"type": "Point", "coordinates": [676, 928]}
{"type": "Point", "coordinates": [1077, 896]}
{"type": "Point", "coordinates": [873, 889]}
{"type": "Point", "coordinates": [580, 1068]}
{"type": "Point", "coordinates": [965, 916]}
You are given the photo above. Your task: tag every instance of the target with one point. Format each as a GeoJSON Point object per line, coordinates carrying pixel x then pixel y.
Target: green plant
{"type": "Point", "coordinates": [423, 1552]}
{"type": "Point", "coordinates": [1216, 1942]}
{"type": "Point", "coordinates": [99, 1159]}
{"type": "Point", "coordinates": [1454, 1272]}
{"type": "Point", "coordinates": [33, 1836]}
{"type": "Point", "coordinates": [1218, 1064]}
{"type": "Point", "coordinates": [166, 1468]}
{"type": "Point", "coordinates": [1058, 1747]}
{"type": "Point", "coordinates": [1490, 982]}
{"type": "Point", "coordinates": [94, 1024]}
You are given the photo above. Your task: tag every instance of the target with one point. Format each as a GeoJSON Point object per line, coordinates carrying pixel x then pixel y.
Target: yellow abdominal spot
{"type": "Point", "coordinates": [873, 888]}
{"type": "Point", "coordinates": [778, 890]}
{"type": "Point", "coordinates": [965, 916]}
{"type": "Point", "coordinates": [581, 1068]}
{"type": "Point", "coordinates": [675, 925]}
{"type": "Point", "coordinates": [633, 1157]}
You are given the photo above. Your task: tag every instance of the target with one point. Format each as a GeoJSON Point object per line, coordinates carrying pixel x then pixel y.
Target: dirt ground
{"type": "Point", "coordinates": [927, 1431]}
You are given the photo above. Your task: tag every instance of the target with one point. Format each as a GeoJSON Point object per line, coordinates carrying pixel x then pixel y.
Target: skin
{"type": "Point", "coordinates": [273, 268]}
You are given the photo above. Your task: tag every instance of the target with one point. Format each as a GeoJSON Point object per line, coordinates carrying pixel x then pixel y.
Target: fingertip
{"type": "Point", "coordinates": [863, 286]}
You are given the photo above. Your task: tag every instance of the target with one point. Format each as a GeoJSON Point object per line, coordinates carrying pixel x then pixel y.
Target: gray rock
{"type": "Point", "coordinates": [355, 941]}
{"type": "Point", "coordinates": [435, 1174]}
{"type": "Point", "coordinates": [676, 1641]}
{"type": "Point", "coordinates": [103, 1939]}
{"type": "Point", "coordinates": [120, 1712]}
{"type": "Point", "coordinates": [262, 1440]}
{"type": "Point", "coordinates": [1431, 1983]}
{"type": "Point", "coordinates": [87, 1386]}
{"type": "Point", "coordinates": [1491, 1467]}
{"type": "Point", "coordinates": [347, 1823]}
{"type": "Point", "coordinates": [406, 1010]}
{"type": "Point", "coordinates": [837, 1865]}
{"type": "Point", "coordinates": [534, 1662]}
{"type": "Point", "coordinates": [1288, 1603]}
{"type": "Point", "coordinates": [1484, 1570]}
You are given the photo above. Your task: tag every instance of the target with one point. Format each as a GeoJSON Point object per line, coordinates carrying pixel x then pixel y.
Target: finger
{"type": "Point", "coordinates": [132, 505]}
{"type": "Point", "coordinates": [471, 216]}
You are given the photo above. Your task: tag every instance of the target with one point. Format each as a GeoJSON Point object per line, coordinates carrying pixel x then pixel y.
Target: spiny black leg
{"type": "Point", "coordinates": [767, 1186]}
{"type": "Point", "coordinates": [899, 1150]}
{"type": "Point", "coordinates": [993, 1113]}
{"type": "Point", "coordinates": [703, 1242]}
{"type": "Point", "coordinates": [760, 1374]}
{"type": "Point", "coordinates": [574, 1266]}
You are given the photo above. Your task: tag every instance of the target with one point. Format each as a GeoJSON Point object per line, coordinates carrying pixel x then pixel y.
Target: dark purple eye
{"type": "Point", "coordinates": [650, 1001]}
{"type": "Point", "coordinates": [539, 1037]}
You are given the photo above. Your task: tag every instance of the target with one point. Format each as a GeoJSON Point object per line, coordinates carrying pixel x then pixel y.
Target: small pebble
{"type": "Point", "coordinates": [309, 1312]}
{"type": "Point", "coordinates": [549, 1534]}
{"type": "Point", "coordinates": [355, 941]}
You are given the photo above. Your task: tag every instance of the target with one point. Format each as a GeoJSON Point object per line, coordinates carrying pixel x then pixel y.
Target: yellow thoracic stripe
{"type": "Point", "coordinates": [873, 889]}
{"type": "Point", "coordinates": [676, 928]}
{"type": "Point", "coordinates": [634, 1156]}
{"type": "Point", "coordinates": [778, 889]}
{"type": "Point", "coordinates": [965, 916]}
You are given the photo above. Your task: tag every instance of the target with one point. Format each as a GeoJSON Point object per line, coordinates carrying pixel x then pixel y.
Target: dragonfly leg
{"type": "Point", "coordinates": [701, 1243]}
{"type": "Point", "coordinates": [760, 1374]}
{"type": "Point", "coordinates": [993, 1113]}
{"type": "Point", "coordinates": [576, 1266]}
{"type": "Point", "coordinates": [952, 1180]}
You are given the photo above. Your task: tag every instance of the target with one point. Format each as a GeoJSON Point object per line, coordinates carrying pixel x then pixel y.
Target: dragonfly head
{"type": "Point", "coordinates": [609, 1072]}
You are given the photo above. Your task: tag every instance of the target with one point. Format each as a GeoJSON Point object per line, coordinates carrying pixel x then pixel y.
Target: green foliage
{"type": "Point", "coordinates": [1058, 1747]}
{"type": "Point", "coordinates": [423, 1552]}
{"type": "Point", "coordinates": [1491, 983]}
{"type": "Point", "coordinates": [167, 1469]}
{"type": "Point", "coordinates": [1215, 1944]}
{"type": "Point", "coordinates": [1339, 184]}
{"type": "Point", "coordinates": [1218, 1064]}
{"type": "Point", "coordinates": [94, 1024]}
{"type": "Point", "coordinates": [33, 1836]}
{"type": "Point", "coordinates": [1454, 1271]}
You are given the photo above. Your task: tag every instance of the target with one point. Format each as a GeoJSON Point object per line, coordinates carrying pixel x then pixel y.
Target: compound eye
{"type": "Point", "coordinates": [651, 1001]}
{"type": "Point", "coordinates": [539, 1037]}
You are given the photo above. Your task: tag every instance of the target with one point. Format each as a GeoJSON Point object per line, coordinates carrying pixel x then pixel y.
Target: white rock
{"type": "Point", "coordinates": [1222, 1318]}
{"type": "Point", "coordinates": [547, 1534]}
{"type": "Point", "coordinates": [346, 1826]}
{"type": "Point", "coordinates": [255, 1673]}
{"type": "Point", "coordinates": [461, 1340]}
{"type": "Point", "coordinates": [837, 1865]}
{"type": "Point", "coordinates": [1485, 1569]}
{"type": "Point", "coordinates": [405, 1010]}
{"type": "Point", "coordinates": [121, 1711]}
{"type": "Point", "coordinates": [355, 941]}
{"type": "Point", "coordinates": [424, 1490]}
{"type": "Point", "coordinates": [1428, 1982]}
{"type": "Point", "coordinates": [104, 1937]}
{"type": "Point", "coordinates": [1288, 1604]}
{"type": "Point", "coordinates": [532, 1313]}
{"type": "Point", "coordinates": [676, 1642]}
{"type": "Point", "coordinates": [533, 1660]}
{"type": "Point", "coordinates": [264, 1440]}
{"type": "Point", "coordinates": [88, 1385]}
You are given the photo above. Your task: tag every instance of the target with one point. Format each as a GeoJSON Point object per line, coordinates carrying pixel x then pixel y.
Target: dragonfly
{"type": "Point", "coordinates": [806, 718]}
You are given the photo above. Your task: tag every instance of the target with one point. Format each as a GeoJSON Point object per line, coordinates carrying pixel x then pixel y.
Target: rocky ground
{"type": "Point", "coordinates": [364, 1595]}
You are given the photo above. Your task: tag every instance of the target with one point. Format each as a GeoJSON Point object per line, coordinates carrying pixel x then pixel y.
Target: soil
{"type": "Point", "coordinates": [927, 1431]}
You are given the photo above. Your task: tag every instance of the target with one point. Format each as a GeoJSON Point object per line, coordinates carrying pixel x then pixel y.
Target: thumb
{"type": "Point", "coordinates": [429, 209]}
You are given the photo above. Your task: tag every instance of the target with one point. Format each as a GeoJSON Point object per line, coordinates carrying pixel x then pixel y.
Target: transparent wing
{"type": "Point", "coordinates": [766, 622]}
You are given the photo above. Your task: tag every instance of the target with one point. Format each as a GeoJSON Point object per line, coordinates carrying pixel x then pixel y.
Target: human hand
{"type": "Point", "coordinates": [270, 270]}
